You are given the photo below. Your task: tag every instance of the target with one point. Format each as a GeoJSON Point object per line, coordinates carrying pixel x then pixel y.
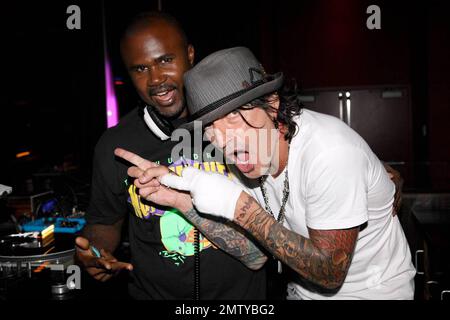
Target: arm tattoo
{"type": "Point", "coordinates": [324, 258]}
{"type": "Point", "coordinates": [227, 237]}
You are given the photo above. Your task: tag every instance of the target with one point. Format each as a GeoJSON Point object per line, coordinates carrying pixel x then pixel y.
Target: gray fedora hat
{"type": "Point", "coordinates": [223, 82]}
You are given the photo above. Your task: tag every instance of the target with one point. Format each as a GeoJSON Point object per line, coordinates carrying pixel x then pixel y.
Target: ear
{"type": "Point", "coordinates": [191, 54]}
{"type": "Point", "coordinates": [282, 129]}
{"type": "Point", "coordinates": [274, 100]}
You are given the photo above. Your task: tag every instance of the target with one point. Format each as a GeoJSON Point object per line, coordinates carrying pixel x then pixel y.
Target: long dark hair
{"type": "Point", "coordinates": [290, 107]}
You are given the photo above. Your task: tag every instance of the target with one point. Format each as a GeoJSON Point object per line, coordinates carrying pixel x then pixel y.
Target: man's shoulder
{"type": "Point", "coordinates": [127, 127]}
{"type": "Point", "coordinates": [324, 125]}
{"type": "Point", "coordinates": [325, 141]}
{"type": "Point", "coordinates": [127, 124]}
{"type": "Point", "coordinates": [321, 132]}
{"type": "Point", "coordinates": [130, 118]}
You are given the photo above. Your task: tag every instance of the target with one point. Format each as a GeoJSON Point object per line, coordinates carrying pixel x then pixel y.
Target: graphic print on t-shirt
{"type": "Point", "coordinates": [177, 233]}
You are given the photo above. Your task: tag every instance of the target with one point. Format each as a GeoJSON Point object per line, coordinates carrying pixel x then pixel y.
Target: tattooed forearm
{"type": "Point", "coordinates": [323, 259]}
{"type": "Point", "coordinates": [228, 238]}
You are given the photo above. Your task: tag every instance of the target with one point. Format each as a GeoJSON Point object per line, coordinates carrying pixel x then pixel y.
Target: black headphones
{"type": "Point", "coordinates": [160, 126]}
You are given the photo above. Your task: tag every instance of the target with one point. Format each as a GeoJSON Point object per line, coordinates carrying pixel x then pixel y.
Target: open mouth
{"type": "Point", "coordinates": [241, 157]}
{"type": "Point", "coordinates": [165, 98]}
{"type": "Point", "coordinates": [242, 161]}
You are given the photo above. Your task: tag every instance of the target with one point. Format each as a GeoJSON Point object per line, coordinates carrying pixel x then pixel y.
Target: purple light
{"type": "Point", "coordinates": [112, 112]}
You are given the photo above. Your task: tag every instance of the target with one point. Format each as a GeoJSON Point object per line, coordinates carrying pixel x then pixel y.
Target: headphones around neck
{"type": "Point", "coordinates": [161, 127]}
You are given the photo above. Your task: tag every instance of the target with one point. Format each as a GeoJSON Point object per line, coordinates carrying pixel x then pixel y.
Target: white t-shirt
{"type": "Point", "coordinates": [337, 182]}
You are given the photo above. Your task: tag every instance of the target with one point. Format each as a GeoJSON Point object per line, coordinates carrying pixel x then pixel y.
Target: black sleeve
{"type": "Point", "coordinates": [108, 202]}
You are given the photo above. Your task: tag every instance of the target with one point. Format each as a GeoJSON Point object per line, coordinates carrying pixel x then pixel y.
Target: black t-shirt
{"type": "Point", "coordinates": [161, 239]}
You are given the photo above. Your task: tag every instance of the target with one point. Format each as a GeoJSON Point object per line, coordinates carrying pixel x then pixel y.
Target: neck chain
{"type": "Point", "coordinates": [281, 214]}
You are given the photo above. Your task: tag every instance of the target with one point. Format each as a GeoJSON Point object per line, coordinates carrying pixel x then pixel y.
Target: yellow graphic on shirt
{"type": "Point", "coordinates": [177, 233]}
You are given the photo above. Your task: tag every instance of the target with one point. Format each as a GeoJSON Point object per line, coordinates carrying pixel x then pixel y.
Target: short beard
{"type": "Point", "coordinates": [171, 115]}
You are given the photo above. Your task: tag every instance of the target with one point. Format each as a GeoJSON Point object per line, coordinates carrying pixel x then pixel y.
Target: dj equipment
{"type": "Point", "coordinates": [28, 205]}
{"type": "Point", "coordinates": [32, 267]}
{"type": "Point", "coordinates": [5, 190]}
{"type": "Point", "coordinates": [62, 225]}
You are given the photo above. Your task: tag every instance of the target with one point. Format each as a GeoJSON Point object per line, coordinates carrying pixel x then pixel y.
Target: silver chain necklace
{"type": "Point", "coordinates": [282, 212]}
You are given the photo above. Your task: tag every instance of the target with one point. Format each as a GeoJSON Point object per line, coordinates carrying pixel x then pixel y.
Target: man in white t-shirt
{"type": "Point", "coordinates": [337, 183]}
{"type": "Point", "coordinates": [317, 198]}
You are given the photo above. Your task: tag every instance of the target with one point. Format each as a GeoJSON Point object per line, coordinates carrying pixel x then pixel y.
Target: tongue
{"type": "Point", "coordinates": [242, 162]}
{"type": "Point", "coordinates": [242, 156]}
{"type": "Point", "coordinates": [245, 167]}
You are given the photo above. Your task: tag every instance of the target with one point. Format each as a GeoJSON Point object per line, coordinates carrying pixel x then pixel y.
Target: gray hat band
{"type": "Point", "coordinates": [224, 100]}
{"type": "Point", "coordinates": [224, 81]}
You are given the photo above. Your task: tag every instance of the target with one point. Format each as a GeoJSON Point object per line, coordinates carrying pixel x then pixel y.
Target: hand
{"type": "Point", "coordinates": [101, 269]}
{"type": "Point", "coordinates": [211, 193]}
{"type": "Point", "coordinates": [398, 181]}
{"type": "Point", "coordinates": [147, 176]}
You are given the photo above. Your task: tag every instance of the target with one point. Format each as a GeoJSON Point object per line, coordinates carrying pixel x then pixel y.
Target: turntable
{"type": "Point", "coordinates": [34, 265]}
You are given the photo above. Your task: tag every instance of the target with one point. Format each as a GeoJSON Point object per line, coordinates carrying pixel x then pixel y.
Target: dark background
{"type": "Point", "coordinates": [53, 94]}
{"type": "Point", "coordinates": [53, 105]}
